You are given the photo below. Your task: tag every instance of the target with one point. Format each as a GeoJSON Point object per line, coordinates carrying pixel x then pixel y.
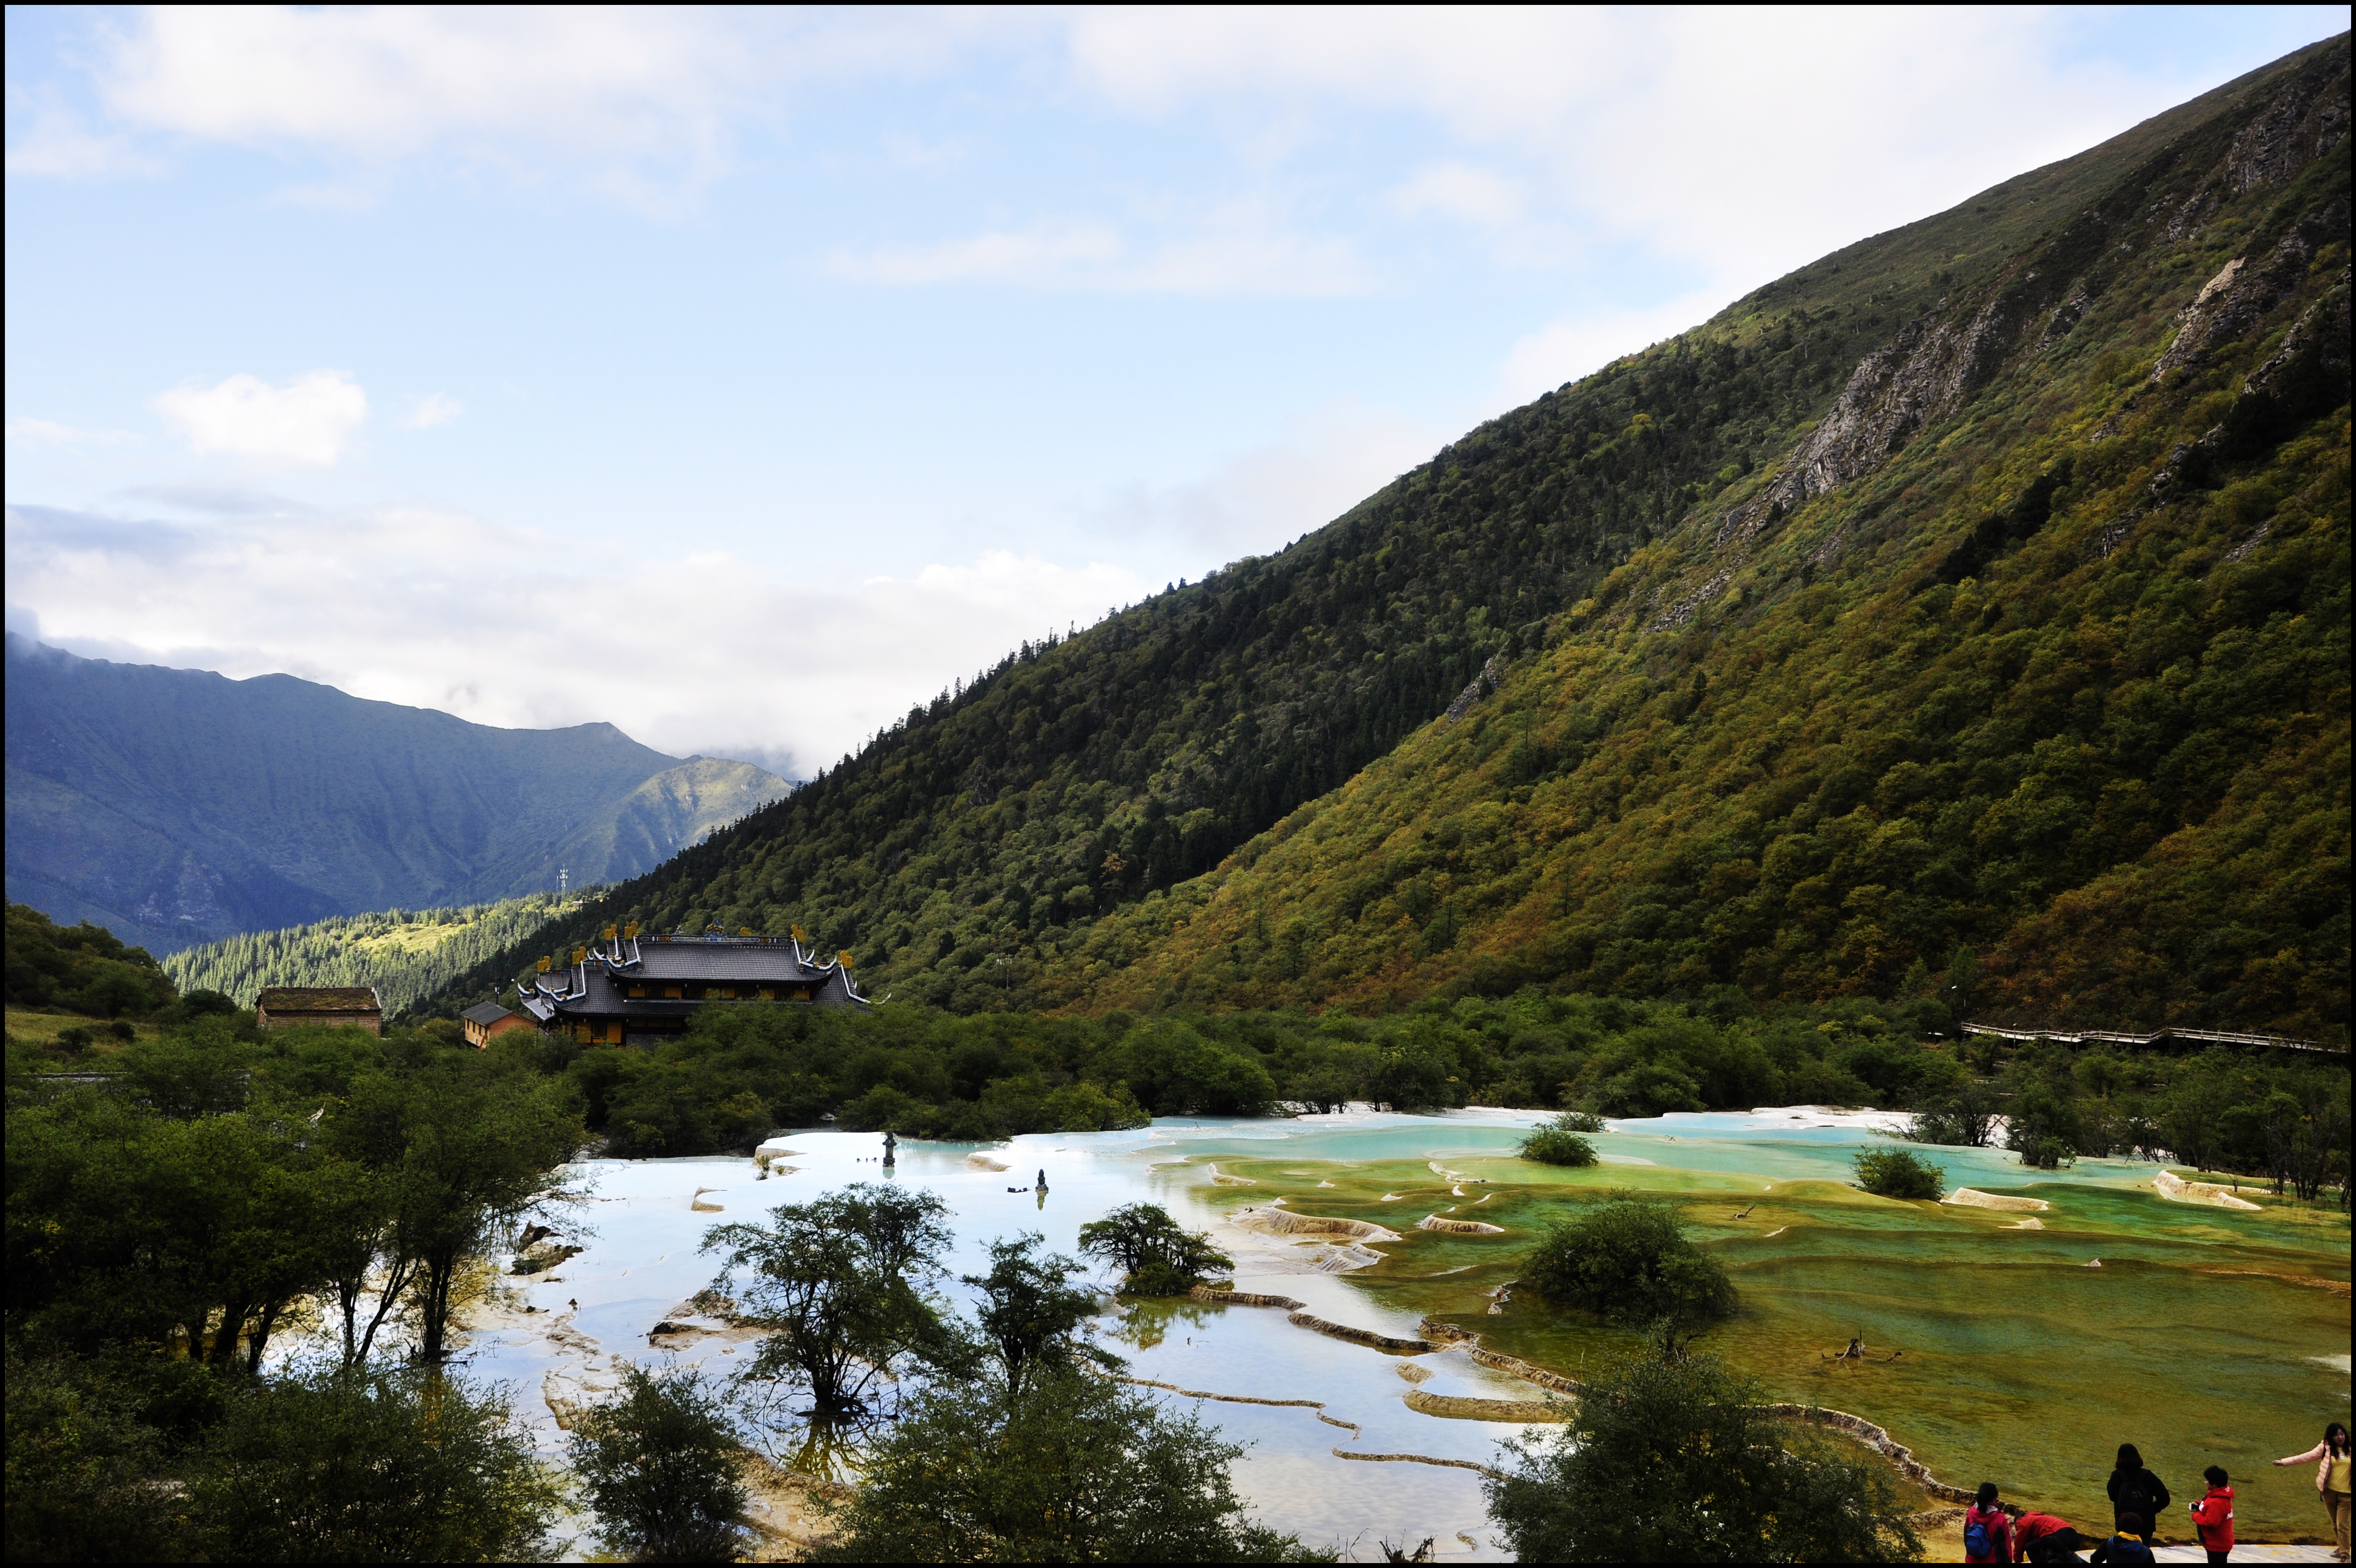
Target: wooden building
{"type": "Point", "coordinates": [633, 990]}
{"type": "Point", "coordinates": [485, 1021]}
{"type": "Point", "coordinates": [284, 1006]}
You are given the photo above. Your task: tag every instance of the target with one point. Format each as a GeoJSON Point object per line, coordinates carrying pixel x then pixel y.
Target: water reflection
{"type": "Point", "coordinates": [1151, 1321]}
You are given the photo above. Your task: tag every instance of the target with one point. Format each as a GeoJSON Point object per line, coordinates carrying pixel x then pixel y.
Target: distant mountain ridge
{"type": "Point", "coordinates": [176, 806]}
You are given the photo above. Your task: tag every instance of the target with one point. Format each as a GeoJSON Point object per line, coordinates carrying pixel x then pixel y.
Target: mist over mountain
{"type": "Point", "coordinates": [1964, 612]}
{"type": "Point", "coordinates": [176, 807]}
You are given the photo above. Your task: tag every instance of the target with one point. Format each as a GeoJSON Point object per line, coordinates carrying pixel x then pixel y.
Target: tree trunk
{"type": "Point", "coordinates": [439, 1270]}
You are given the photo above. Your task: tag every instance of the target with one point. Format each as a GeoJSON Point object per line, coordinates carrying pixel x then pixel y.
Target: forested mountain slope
{"type": "Point", "coordinates": [175, 806]}
{"type": "Point", "coordinates": [2025, 673]}
{"type": "Point", "coordinates": [405, 954]}
{"type": "Point", "coordinates": [1112, 818]}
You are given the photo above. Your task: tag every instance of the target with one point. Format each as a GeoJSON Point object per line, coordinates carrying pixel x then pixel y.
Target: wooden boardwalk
{"type": "Point", "coordinates": [2116, 1036]}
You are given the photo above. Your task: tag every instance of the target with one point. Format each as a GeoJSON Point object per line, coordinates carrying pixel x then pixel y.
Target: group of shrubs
{"type": "Point", "coordinates": [740, 1069]}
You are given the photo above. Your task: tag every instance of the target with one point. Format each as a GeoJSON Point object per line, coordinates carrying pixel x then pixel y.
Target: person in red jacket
{"type": "Point", "coordinates": [1987, 1530]}
{"type": "Point", "coordinates": [2212, 1515]}
{"type": "Point", "coordinates": [2043, 1538]}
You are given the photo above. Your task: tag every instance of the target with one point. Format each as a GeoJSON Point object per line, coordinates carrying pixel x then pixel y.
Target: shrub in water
{"type": "Point", "coordinates": [1159, 1256]}
{"type": "Point", "coordinates": [1557, 1142]}
{"type": "Point", "coordinates": [1630, 1261]}
{"type": "Point", "coordinates": [1899, 1173]}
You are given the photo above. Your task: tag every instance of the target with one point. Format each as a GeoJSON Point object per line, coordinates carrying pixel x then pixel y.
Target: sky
{"type": "Point", "coordinates": [745, 377]}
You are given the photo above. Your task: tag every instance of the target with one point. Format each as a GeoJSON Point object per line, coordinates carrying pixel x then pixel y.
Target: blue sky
{"type": "Point", "coordinates": [743, 376]}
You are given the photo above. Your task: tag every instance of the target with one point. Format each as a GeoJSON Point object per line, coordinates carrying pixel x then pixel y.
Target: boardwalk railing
{"type": "Point", "coordinates": [2114, 1036]}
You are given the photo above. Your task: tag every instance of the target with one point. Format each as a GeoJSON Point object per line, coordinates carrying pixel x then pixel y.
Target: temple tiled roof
{"type": "Point", "coordinates": [599, 984]}
{"type": "Point", "coordinates": [723, 961]}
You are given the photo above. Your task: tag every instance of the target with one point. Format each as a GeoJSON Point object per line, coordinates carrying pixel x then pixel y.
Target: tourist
{"type": "Point", "coordinates": [2127, 1544]}
{"type": "Point", "coordinates": [2043, 1538]}
{"type": "Point", "coordinates": [1987, 1531]}
{"type": "Point", "coordinates": [2135, 1491]}
{"type": "Point", "coordinates": [2212, 1515]}
{"type": "Point", "coordinates": [2330, 1460]}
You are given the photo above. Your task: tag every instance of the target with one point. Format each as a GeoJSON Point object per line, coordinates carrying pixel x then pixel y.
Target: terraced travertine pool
{"type": "Point", "coordinates": [2021, 1355]}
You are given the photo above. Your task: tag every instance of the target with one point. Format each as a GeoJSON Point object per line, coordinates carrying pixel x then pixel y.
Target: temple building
{"type": "Point", "coordinates": [633, 990]}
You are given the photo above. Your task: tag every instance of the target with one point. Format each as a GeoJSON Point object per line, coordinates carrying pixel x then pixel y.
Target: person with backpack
{"type": "Point", "coordinates": [2043, 1538]}
{"type": "Point", "coordinates": [2330, 1458]}
{"type": "Point", "coordinates": [1987, 1530]}
{"type": "Point", "coordinates": [2135, 1491]}
{"type": "Point", "coordinates": [2212, 1515]}
{"type": "Point", "coordinates": [2128, 1545]}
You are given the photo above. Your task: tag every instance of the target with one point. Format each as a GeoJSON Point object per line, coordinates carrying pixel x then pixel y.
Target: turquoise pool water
{"type": "Point", "coordinates": [2021, 1363]}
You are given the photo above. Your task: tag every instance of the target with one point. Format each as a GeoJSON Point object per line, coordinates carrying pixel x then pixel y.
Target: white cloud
{"type": "Point", "coordinates": [434, 409]}
{"type": "Point", "coordinates": [36, 432]}
{"type": "Point", "coordinates": [1230, 254]}
{"type": "Point", "coordinates": [641, 100]}
{"type": "Point", "coordinates": [57, 145]}
{"type": "Point", "coordinates": [388, 81]}
{"type": "Point", "coordinates": [308, 421]}
{"type": "Point", "coordinates": [1461, 191]}
{"type": "Point", "coordinates": [1042, 254]}
{"type": "Point", "coordinates": [1566, 349]}
{"type": "Point", "coordinates": [430, 607]}
{"type": "Point", "coordinates": [1261, 500]}
{"type": "Point", "coordinates": [1653, 125]}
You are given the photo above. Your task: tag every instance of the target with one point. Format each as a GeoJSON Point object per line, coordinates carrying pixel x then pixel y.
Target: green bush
{"type": "Point", "coordinates": [80, 968]}
{"type": "Point", "coordinates": [1630, 1261]}
{"type": "Point", "coordinates": [1156, 1255]}
{"type": "Point", "coordinates": [1556, 1142]}
{"type": "Point", "coordinates": [408, 1466]}
{"type": "Point", "coordinates": [660, 1467]}
{"type": "Point", "coordinates": [1069, 1469]}
{"type": "Point", "coordinates": [882, 1109]}
{"type": "Point", "coordinates": [80, 1453]}
{"type": "Point", "coordinates": [1899, 1173]}
{"type": "Point", "coordinates": [1641, 1473]}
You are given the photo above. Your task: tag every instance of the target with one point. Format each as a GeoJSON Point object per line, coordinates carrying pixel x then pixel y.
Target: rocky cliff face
{"type": "Point", "coordinates": [1935, 364]}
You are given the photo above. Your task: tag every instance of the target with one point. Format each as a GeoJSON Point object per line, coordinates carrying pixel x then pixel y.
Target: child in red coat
{"type": "Point", "coordinates": [2212, 1515]}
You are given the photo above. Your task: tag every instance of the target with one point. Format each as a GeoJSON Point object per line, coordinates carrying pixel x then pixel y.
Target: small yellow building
{"type": "Point", "coordinates": [485, 1021]}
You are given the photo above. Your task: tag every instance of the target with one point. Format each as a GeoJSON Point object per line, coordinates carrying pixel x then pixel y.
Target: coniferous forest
{"type": "Point", "coordinates": [407, 954]}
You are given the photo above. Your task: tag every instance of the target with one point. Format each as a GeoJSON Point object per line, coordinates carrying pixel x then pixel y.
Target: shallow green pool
{"type": "Point", "coordinates": [2204, 1335]}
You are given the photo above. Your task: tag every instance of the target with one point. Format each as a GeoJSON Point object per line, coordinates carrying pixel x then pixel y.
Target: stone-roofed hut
{"type": "Point", "coordinates": [633, 990]}
{"type": "Point", "coordinates": [284, 1006]}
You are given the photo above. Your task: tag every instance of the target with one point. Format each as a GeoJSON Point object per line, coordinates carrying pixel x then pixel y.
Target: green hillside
{"type": "Point", "coordinates": [407, 954]}
{"type": "Point", "coordinates": [2049, 705]}
{"type": "Point", "coordinates": [176, 807]}
{"type": "Point", "coordinates": [1873, 636]}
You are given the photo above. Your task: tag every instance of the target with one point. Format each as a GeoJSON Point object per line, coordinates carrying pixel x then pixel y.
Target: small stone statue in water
{"type": "Point", "coordinates": [891, 1149]}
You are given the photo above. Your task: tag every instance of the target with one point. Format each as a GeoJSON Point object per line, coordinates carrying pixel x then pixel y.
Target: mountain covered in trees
{"type": "Point", "coordinates": [1964, 614]}
{"type": "Point", "coordinates": [406, 954]}
{"type": "Point", "coordinates": [176, 807]}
